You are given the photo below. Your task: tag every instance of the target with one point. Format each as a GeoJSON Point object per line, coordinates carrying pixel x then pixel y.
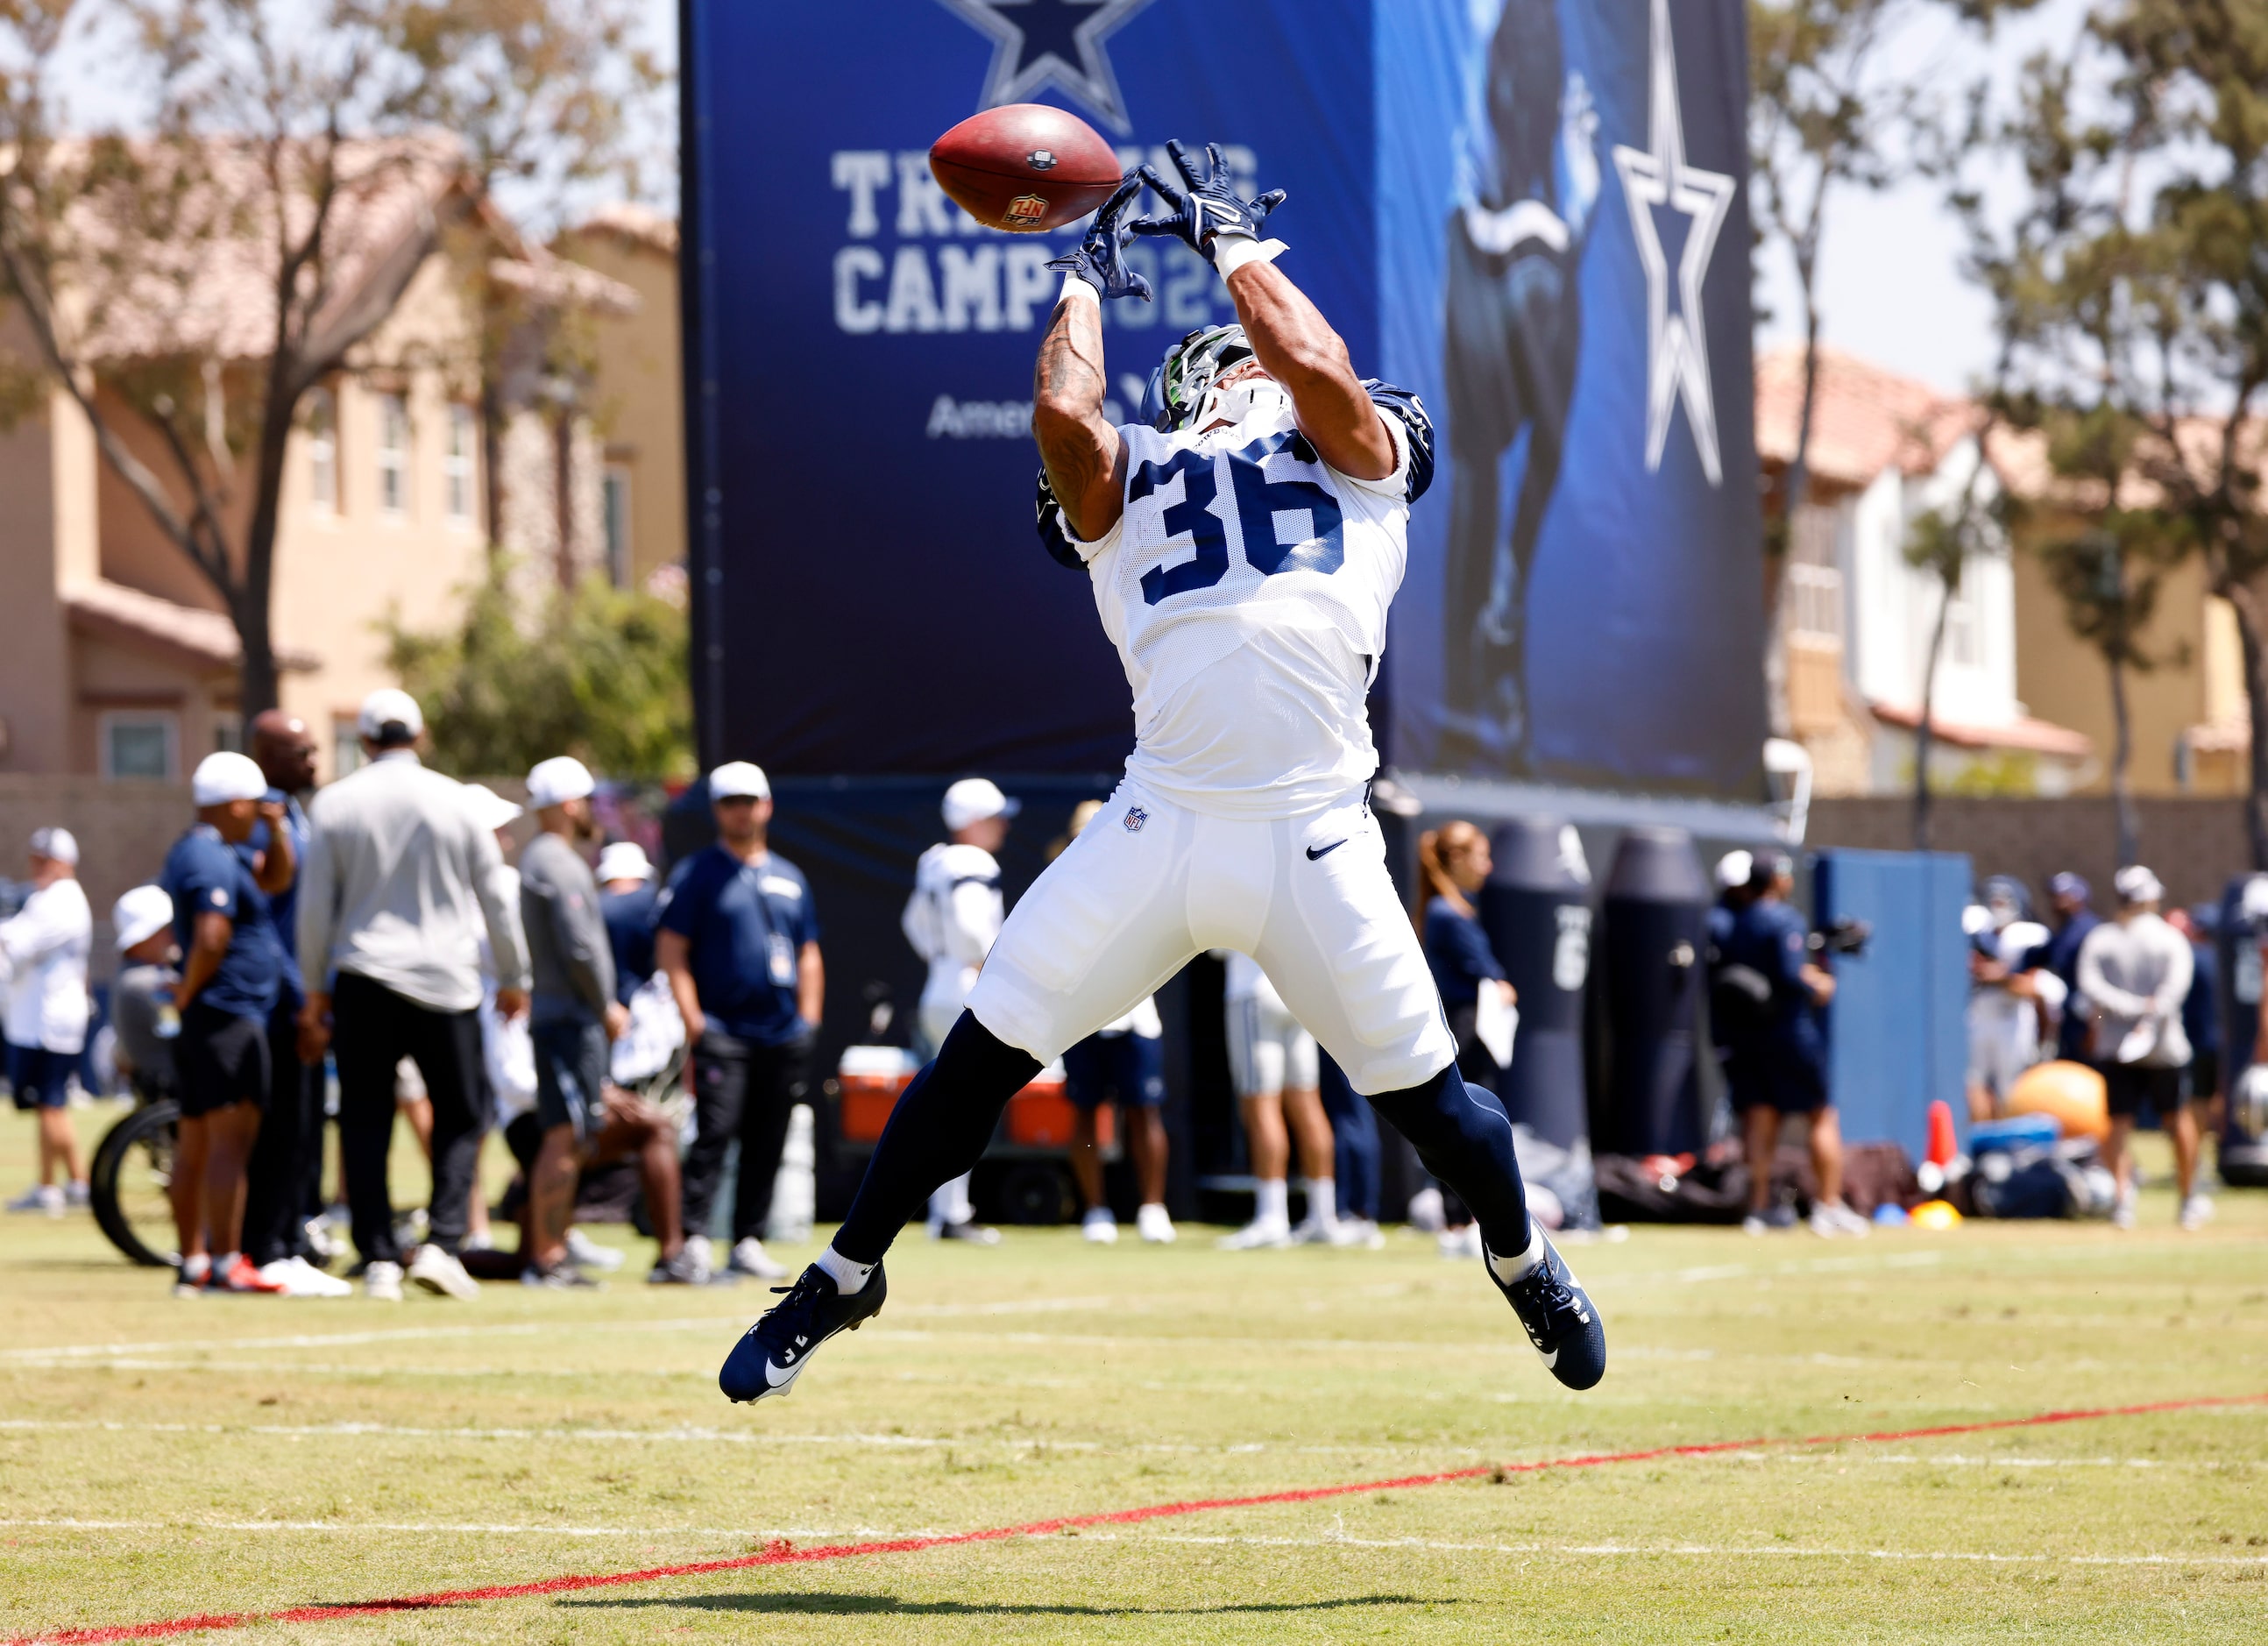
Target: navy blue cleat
{"type": "Point", "coordinates": [1559, 1319]}
{"type": "Point", "coordinates": [772, 1354]}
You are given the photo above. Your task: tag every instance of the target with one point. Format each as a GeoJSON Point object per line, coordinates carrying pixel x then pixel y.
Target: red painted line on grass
{"type": "Point", "coordinates": [781, 1553]}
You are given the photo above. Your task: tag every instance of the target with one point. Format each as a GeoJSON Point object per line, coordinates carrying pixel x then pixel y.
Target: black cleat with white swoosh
{"type": "Point", "coordinates": [1559, 1319]}
{"type": "Point", "coordinates": [772, 1354]}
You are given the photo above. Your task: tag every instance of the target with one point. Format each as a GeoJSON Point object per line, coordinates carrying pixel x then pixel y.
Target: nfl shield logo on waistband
{"type": "Point", "coordinates": [1135, 818]}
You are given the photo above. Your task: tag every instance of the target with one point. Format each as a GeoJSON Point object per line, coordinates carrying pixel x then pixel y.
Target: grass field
{"type": "Point", "coordinates": [161, 1459]}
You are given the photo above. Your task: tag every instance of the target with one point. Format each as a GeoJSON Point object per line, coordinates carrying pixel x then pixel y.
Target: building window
{"type": "Point", "coordinates": [615, 509]}
{"type": "Point", "coordinates": [228, 733]}
{"type": "Point", "coordinates": [346, 747]}
{"type": "Point", "coordinates": [323, 452]}
{"type": "Point", "coordinates": [140, 745]}
{"type": "Point", "coordinates": [392, 454]}
{"type": "Point", "coordinates": [457, 467]}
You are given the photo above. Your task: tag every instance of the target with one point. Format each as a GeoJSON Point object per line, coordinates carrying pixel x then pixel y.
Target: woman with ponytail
{"type": "Point", "coordinates": [1452, 864]}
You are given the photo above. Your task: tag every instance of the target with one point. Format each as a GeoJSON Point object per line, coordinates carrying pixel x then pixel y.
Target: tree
{"type": "Point", "coordinates": [1825, 116]}
{"type": "Point", "coordinates": [2132, 293]}
{"type": "Point", "coordinates": [294, 167]}
{"type": "Point", "coordinates": [601, 675]}
{"type": "Point", "coordinates": [1943, 542]}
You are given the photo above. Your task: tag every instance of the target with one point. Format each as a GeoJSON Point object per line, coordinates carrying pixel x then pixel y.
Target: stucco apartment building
{"type": "Point", "coordinates": [119, 661]}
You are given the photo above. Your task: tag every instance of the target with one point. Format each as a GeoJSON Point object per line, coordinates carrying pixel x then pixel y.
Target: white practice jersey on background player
{"type": "Point", "coordinates": [952, 921]}
{"type": "Point", "coordinates": [1246, 587]}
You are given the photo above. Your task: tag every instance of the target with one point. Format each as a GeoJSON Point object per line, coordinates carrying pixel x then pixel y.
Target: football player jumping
{"type": "Point", "coordinates": [1245, 539]}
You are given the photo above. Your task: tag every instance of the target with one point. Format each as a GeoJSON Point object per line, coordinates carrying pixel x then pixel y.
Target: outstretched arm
{"type": "Point", "coordinates": [1298, 348]}
{"type": "Point", "coordinates": [1086, 457]}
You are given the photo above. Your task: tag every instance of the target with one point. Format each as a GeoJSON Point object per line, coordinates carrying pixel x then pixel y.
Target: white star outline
{"type": "Point", "coordinates": [1678, 345]}
{"type": "Point", "coordinates": [1091, 80]}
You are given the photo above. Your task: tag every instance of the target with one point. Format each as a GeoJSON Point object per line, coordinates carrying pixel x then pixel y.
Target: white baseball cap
{"type": "Point", "coordinates": [141, 914]}
{"type": "Point", "coordinates": [624, 859]}
{"type": "Point", "coordinates": [556, 781]}
{"type": "Point", "coordinates": [973, 800]}
{"type": "Point", "coordinates": [1734, 869]}
{"type": "Point", "coordinates": [2136, 884]}
{"type": "Point", "coordinates": [389, 706]}
{"type": "Point", "coordinates": [224, 777]}
{"type": "Point", "coordinates": [491, 810]}
{"type": "Point", "coordinates": [740, 780]}
{"type": "Point", "coordinates": [58, 844]}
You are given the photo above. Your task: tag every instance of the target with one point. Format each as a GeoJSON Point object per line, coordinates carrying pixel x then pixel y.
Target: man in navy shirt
{"type": "Point", "coordinates": [2072, 898]}
{"type": "Point", "coordinates": [232, 972]}
{"type": "Point", "coordinates": [738, 940]}
{"type": "Point", "coordinates": [282, 1179]}
{"type": "Point", "coordinates": [629, 902]}
{"type": "Point", "coordinates": [1776, 1064]}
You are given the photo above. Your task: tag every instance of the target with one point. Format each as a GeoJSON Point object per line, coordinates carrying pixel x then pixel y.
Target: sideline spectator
{"type": "Point", "coordinates": [1273, 1064]}
{"type": "Point", "coordinates": [2070, 897]}
{"type": "Point", "coordinates": [507, 1054]}
{"type": "Point", "coordinates": [2200, 1010]}
{"type": "Point", "coordinates": [573, 1015]}
{"type": "Point", "coordinates": [282, 1180]}
{"type": "Point", "coordinates": [1453, 863]}
{"type": "Point", "coordinates": [739, 941]}
{"type": "Point", "coordinates": [1354, 1136]}
{"type": "Point", "coordinates": [400, 881]}
{"type": "Point", "coordinates": [142, 1010]}
{"type": "Point", "coordinates": [232, 972]}
{"type": "Point", "coordinates": [2135, 971]}
{"type": "Point", "coordinates": [1123, 1063]}
{"type": "Point", "coordinates": [2009, 985]}
{"type": "Point", "coordinates": [628, 900]}
{"type": "Point", "coordinates": [952, 921]}
{"type": "Point", "coordinates": [43, 951]}
{"type": "Point", "coordinates": [1776, 1066]}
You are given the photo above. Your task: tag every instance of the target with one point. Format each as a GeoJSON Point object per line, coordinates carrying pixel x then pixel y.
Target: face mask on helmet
{"type": "Point", "coordinates": [1178, 388]}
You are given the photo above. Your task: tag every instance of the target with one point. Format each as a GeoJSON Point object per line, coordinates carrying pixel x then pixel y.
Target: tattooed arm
{"type": "Point", "coordinates": [1086, 457]}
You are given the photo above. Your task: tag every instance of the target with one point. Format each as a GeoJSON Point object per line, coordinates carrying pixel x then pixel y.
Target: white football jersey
{"type": "Point", "coordinates": [1246, 586]}
{"type": "Point", "coordinates": [952, 920]}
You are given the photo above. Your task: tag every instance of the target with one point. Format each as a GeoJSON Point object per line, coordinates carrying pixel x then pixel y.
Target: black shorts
{"type": "Point", "coordinates": [220, 1058]}
{"type": "Point", "coordinates": [2129, 1086]}
{"type": "Point", "coordinates": [39, 1078]}
{"type": "Point", "coordinates": [1128, 1070]}
{"type": "Point", "coordinates": [570, 1076]}
{"type": "Point", "coordinates": [1786, 1081]}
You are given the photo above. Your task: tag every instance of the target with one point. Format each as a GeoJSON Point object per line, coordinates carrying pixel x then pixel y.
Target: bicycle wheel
{"type": "Point", "coordinates": [131, 1185]}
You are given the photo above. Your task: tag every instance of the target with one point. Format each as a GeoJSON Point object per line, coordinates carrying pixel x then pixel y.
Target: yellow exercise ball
{"type": "Point", "coordinates": [2072, 1092]}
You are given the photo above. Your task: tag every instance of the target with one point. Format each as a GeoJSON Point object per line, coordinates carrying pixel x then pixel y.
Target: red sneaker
{"type": "Point", "coordinates": [244, 1275]}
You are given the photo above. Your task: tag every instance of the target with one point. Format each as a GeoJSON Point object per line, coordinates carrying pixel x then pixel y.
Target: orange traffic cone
{"type": "Point", "coordinates": [1943, 1147]}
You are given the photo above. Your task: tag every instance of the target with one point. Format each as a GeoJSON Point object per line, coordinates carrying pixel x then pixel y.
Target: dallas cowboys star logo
{"type": "Point", "coordinates": [1052, 43]}
{"type": "Point", "coordinates": [1677, 352]}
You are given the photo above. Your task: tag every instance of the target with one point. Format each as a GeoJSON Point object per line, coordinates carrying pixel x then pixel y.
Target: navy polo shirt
{"type": "Point", "coordinates": [204, 875]}
{"type": "Point", "coordinates": [283, 906]}
{"type": "Point", "coordinates": [1458, 954]}
{"type": "Point", "coordinates": [1769, 937]}
{"type": "Point", "coordinates": [630, 917]}
{"type": "Point", "coordinates": [745, 924]}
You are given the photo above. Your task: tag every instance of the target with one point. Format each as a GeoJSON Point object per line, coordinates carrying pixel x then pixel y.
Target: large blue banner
{"type": "Point", "coordinates": [1530, 212]}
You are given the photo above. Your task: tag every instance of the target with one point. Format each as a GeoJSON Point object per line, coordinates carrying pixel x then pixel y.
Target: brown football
{"type": "Point", "coordinates": [1025, 168]}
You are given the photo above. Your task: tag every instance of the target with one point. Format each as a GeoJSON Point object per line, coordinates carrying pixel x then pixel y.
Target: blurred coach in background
{"type": "Point", "coordinates": [738, 940]}
{"type": "Point", "coordinates": [400, 883]}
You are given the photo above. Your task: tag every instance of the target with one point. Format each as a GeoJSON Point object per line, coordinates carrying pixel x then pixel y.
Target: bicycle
{"type": "Point", "coordinates": [130, 1184]}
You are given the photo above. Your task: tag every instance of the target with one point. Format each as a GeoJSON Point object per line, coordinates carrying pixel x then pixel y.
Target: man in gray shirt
{"type": "Point", "coordinates": [400, 883]}
{"type": "Point", "coordinates": [2135, 971]}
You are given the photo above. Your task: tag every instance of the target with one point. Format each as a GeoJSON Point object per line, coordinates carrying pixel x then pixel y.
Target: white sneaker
{"type": "Point", "coordinates": [589, 1254]}
{"type": "Point", "coordinates": [1262, 1233]}
{"type": "Point", "coordinates": [189, 1279]}
{"type": "Point", "coordinates": [1100, 1227]}
{"type": "Point", "coordinates": [1462, 1242]}
{"type": "Point", "coordinates": [1315, 1232]}
{"type": "Point", "coordinates": [45, 1197]}
{"type": "Point", "coordinates": [478, 1240]}
{"type": "Point", "coordinates": [1155, 1225]}
{"type": "Point", "coordinates": [2196, 1211]}
{"type": "Point", "coordinates": [701, 1253]}
{"type": "Point", "coordinates": [2122, 1213]}
{"type": "Point", "coordinates": [78, 1196]}
{"type": "Point", "coordinates": [1831, 1219]}
{"type": "Point", "coordinates": [1426, 1215]}
{"type": "Point", "coordinates": [381, 1282]}
{"type": "Point", "coordinates": [750, 1258]}
{"type": "Point", "coordinates": [1360, 1233]}
{"type": "Point", "coordinates": [302, 1279]}
{"type": "Point", "coordinates": [439, 1272]}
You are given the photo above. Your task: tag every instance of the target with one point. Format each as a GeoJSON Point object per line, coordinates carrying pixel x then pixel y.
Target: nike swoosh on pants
{"type": "Point", "coordinates": [1313, 853]}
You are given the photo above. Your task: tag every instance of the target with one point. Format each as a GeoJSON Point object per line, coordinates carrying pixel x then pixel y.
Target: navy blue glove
{"type": "Point", "coordinates": [1100, 258]}
{"type": "Point", "coordinates": [1207, 205]}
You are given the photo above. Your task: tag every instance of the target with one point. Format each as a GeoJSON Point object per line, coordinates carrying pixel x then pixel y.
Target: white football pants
{"type": "Point", "coordinates": [1149, 885]}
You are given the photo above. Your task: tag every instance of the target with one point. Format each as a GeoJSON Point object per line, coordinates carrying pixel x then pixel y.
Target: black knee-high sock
{"type": "Point", "coordinates": [941, 1125]}
{"type": "Point", "coordinates": [1463, 1136]}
